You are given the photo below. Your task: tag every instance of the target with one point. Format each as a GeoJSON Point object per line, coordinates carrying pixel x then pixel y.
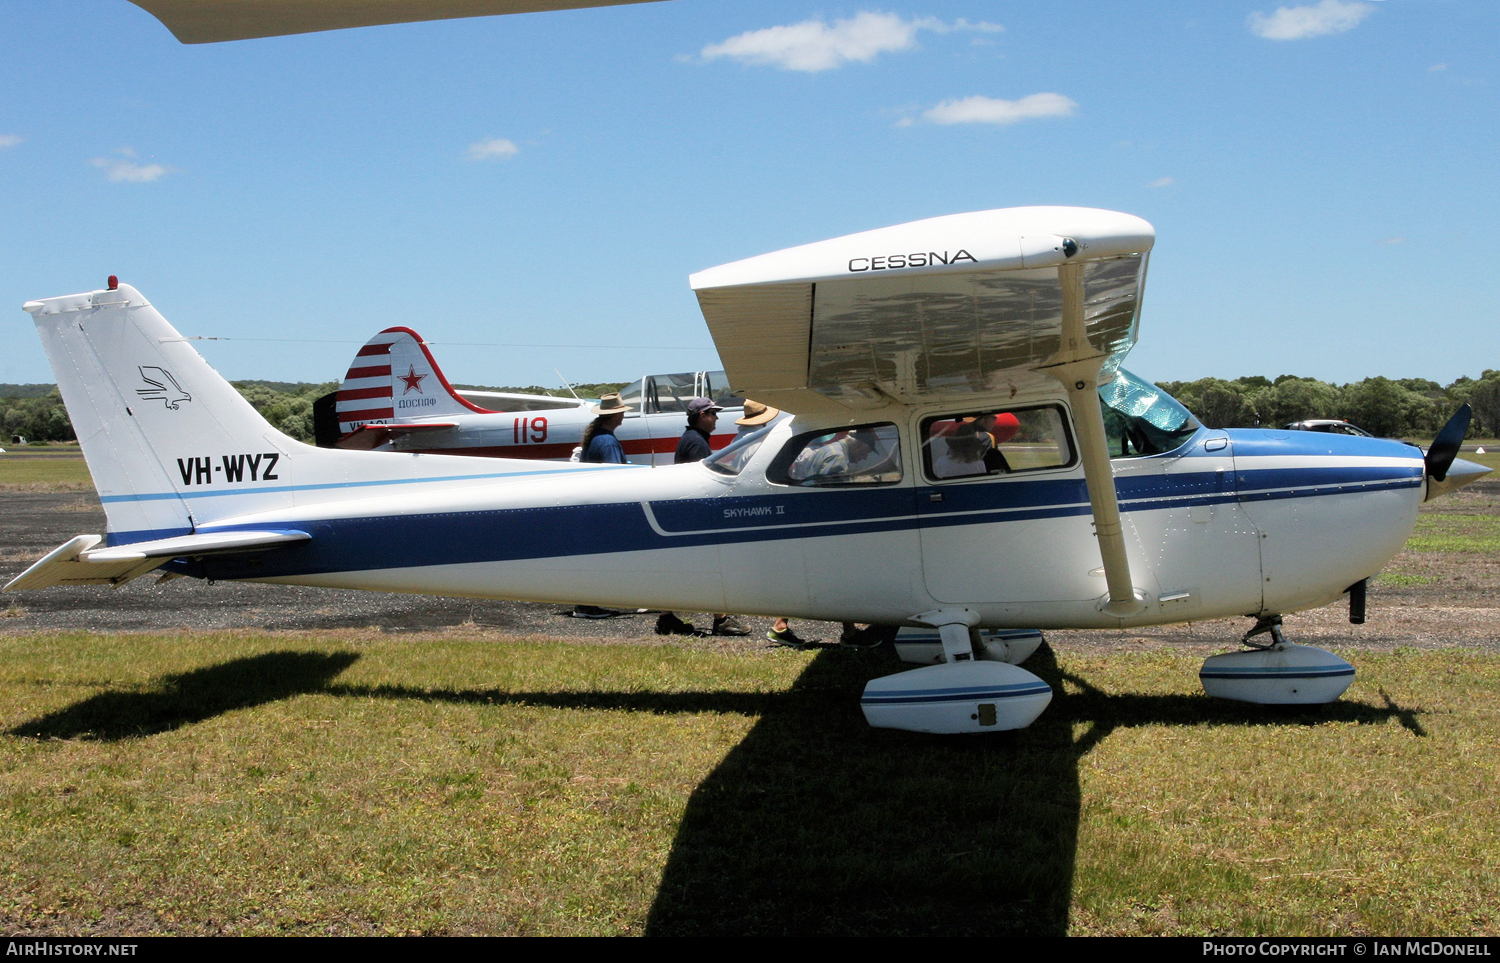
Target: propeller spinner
{"type": "Point", "coordinates": [1445, 470]}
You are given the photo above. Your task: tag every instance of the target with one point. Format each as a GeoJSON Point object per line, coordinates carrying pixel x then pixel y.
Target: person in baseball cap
{"type": "Point", "coordinates": [702, 417]}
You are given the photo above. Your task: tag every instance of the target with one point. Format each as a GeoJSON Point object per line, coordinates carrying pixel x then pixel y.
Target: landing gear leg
{"type": "Point", "coordinates": [1263, 625]}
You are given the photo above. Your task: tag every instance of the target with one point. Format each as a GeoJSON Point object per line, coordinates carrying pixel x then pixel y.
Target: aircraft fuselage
{"type": "Point", "coordinates": [1239, 522]}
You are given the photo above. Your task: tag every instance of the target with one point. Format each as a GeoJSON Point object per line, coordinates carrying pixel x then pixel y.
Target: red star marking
{"type": "Point", "coordinates": [412, 379]}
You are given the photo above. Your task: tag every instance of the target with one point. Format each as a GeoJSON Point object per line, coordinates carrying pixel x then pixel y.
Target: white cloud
{"type": "Point", "coordinates": [813, 45]}
{"type": "Point", "coordinates": [1393, 240]}
{"type": "Point", "coordinates": [492, 148]}
{"type": "Point", "coordinates": [992, 110]}
{"type": "Point", "coordinates": [1162, 182]}
{"type": "Point", "coordinates": [10, 140]}
{"type": "Point", "coordinates": [125, 169]}
{"type": "Point", "coordinates": [1299, 23]}
{"type": "Point", "coordinates": [1436, 67]}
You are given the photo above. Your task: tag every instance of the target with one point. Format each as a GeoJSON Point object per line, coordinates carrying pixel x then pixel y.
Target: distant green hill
{"type": "Point", "coordinates": [1394, 408]}
{"type": "Point", "coordinates": [26, 391]}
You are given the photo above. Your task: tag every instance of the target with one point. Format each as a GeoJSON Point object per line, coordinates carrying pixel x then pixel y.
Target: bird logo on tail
{"type": "Point", "coordinates": [163, 387]}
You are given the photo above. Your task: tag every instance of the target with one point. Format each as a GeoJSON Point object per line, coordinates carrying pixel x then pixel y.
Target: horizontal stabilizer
{"type": "Point", "coordinates": [205, 543]}
{"type": "Point", "coordinates": [78, 562]}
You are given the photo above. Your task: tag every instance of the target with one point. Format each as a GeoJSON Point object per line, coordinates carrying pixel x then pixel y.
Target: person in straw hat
{"type": "Point", "coordinates": [601, 447]}
{"type": "Point", "coordinates": [757, 416]}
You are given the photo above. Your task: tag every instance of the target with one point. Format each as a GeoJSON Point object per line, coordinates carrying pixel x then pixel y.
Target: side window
{"type": "Point", "coordinates": [866, 455]}
{"type": "Point", "coordinates": [976, 444]}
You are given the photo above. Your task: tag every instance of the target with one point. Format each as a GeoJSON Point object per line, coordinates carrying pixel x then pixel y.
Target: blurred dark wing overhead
{"type": "Point", "coordinates": [208, 21]}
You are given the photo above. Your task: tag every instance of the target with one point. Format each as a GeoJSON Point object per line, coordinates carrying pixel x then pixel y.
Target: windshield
{"type": "Point", "coordinates": [1141, 419]}
{"type": "Point", "coordinates": [732, 460]}
{"type": "Point", "coordinates": [630, 395]}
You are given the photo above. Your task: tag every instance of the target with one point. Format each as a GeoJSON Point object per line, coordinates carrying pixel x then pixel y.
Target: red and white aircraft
{"type": "Point", "coordinates": [395, 398]}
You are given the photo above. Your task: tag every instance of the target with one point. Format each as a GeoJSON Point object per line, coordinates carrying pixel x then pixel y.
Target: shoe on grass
{"type": "Point", "coordinates": [729, 625]}
{"type": "Point", "coordinates": [669, 624]}
{"type": "Point", "coordinates": [593, 612]}
{"type": "Point", "coordinates": [856, 638]}
{"type": "Point", "coordinates": [787, 638]}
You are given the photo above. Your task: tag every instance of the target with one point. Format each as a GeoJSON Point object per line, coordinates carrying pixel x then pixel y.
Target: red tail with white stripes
{"type": "Point", "coordinates": [394, 379]}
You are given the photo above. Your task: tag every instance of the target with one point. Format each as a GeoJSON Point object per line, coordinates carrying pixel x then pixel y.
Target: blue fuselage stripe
{"type": "Point", "coordinates": [499, 535]}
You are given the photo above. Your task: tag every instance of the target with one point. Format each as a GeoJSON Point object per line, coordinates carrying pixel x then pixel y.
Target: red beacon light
{"type": "Point", "coordinates": [114, 283]}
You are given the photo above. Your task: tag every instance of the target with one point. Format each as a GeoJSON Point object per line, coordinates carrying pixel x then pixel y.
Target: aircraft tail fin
{"type": "Point", "coordinates": [394, 378]}
{"type": "Point", "coordinates": [163, 433]}
{"type": "Point", "coordinates": [175, 451]}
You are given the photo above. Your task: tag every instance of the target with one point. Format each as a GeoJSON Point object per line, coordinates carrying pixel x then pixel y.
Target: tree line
{"type": "Point", "coordinates": [1388, 407]}
{"type": "Point", "coordinates": [1392, 408]}
{"type": "Point", "coordinates": [36, 412]}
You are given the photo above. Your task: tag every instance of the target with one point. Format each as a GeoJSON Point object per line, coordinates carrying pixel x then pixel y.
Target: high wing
{"type": "Point", "coordinates": [964, 307]}
{"type": "Point", "coordinates": [210, 21]}
{"type": "Point", "coordinates": [955, 306]}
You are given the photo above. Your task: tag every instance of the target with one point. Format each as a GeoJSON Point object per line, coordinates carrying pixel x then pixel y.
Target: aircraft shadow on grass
{"type": "Point", "coordinates": [815, 823]}
{"type": "Point", "coordinates": [818, 824]}
{"type": "Point", "coordinates": [178, 700]}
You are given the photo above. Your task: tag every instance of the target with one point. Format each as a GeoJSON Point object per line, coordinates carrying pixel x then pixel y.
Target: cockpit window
{"type": "Point", "coordinates": [732, 460]}
{"type": "Point", "coordinates": [866, 455]}
{"type": "Point", "coordinates": [1141, 419]}
{"type": "Point", "coordinates": [671, 392]}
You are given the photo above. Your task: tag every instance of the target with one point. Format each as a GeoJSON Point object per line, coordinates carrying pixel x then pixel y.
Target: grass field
{"type": "Point", "coordinates": [51, 468]}
{"type": "Point", "coordinates": [359, 783]}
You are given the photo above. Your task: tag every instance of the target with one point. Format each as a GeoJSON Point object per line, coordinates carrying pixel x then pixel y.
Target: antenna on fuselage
{"type": "Point", "coordinates": [566, 385]}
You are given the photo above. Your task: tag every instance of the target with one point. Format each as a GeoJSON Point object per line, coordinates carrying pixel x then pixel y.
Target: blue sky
{"type": "Point", "coordinates": [1322, 176]}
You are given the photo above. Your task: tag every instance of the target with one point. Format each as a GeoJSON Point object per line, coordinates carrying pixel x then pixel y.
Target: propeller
{"type": "Point", "coordinates": [1444, 447]}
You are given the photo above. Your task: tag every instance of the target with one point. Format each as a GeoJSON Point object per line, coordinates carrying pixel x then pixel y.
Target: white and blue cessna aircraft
{"type": "Point", "coordinates": [965, 455]}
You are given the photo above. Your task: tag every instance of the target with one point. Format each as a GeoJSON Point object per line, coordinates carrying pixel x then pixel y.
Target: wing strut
{"type": "Point", "coordinates": [1076, 365]}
